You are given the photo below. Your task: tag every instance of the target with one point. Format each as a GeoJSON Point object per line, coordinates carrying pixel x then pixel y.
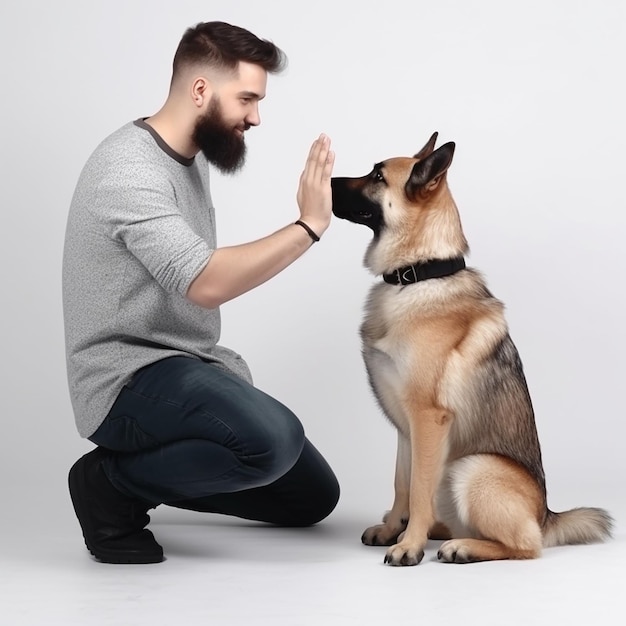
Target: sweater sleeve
{"type": "Point", "coordinates": [138, 204]}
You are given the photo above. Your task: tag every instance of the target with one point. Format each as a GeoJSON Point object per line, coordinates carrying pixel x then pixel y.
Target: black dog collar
{"type": "Point", "coordinates": [423, 271]}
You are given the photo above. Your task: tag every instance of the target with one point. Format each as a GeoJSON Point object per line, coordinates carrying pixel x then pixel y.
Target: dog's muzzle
{"type": "Point", "coordinates": [350, 204]}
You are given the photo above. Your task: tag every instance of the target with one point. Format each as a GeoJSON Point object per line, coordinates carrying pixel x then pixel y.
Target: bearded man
{"type": "Point", "coordinates": [174, 415]}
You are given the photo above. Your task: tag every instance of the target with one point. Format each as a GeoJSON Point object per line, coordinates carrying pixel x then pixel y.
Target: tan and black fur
{"type": "Point", "coordinates": [444, 370]}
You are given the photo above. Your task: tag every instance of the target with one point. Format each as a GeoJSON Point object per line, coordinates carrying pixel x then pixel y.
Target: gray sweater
{"type": "Point", "coordinates": [141, 227]}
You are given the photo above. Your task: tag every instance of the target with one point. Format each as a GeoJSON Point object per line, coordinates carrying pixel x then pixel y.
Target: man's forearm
{"type": "Point", "coordinates": [234, 270]}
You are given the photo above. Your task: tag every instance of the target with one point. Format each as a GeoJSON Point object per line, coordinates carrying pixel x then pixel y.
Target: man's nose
{"type": "Point", "coordinates": [253, 118]}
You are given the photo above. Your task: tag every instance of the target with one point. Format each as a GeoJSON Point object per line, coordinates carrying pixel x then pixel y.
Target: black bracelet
{"type": "Point", "coordinates": [308, 229]}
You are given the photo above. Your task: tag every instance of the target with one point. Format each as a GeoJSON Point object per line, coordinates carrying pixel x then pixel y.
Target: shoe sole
{"type": "Point", "coordinates": [76, 482]}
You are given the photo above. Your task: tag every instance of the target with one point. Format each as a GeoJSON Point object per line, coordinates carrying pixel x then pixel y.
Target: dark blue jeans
{"type": "Point", "coordinates": [191, 435]}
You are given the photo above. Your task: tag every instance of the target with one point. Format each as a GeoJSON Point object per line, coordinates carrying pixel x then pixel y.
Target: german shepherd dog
{"type": "Point", "coordinates": [444, 370]}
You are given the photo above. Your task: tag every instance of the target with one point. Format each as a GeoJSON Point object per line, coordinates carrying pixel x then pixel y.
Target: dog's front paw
{"type": "Point", "coordinates": [381, 535]}
{"type": "Point", "coordinates": [455, 551]}
{"type": "Point", "coordinates": [404, 554]}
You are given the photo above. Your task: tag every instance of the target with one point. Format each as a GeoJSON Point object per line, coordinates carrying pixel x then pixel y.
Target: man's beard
{"type": "Point", "coordinates": [219, 142]}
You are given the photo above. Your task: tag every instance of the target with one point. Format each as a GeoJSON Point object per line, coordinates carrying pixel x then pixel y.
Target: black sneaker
{"type": "Point", "coordinates": [113, 523]}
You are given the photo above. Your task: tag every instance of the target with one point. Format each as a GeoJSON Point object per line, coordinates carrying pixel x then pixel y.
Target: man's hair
{"type": "Point", "coordinates": [222, 46]}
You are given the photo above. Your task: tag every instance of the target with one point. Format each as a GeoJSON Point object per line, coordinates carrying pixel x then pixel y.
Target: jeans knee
{"type": "Point", "coordinates": [320, 506]}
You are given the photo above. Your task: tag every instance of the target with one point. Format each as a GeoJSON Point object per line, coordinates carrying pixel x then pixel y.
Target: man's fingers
{"type": "Point", "coordinates": [328, 165]}
{"type": "Point", "coordinates": [317, 162]}
{"type": "Point", "coordinates": [316, 146]}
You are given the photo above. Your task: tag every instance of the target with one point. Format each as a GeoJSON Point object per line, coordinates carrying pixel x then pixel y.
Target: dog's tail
{"type": "Point", "coordinates": [582, 525]}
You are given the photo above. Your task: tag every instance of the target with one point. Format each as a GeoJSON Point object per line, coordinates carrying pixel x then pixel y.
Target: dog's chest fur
{"type": "Point", "coordinates": [408, 334]}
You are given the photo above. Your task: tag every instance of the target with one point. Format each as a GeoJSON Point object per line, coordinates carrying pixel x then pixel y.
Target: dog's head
{"type": "Point", "coordinates": [408, 205]}
{"type": "Point", "coordinates": [393, 187]}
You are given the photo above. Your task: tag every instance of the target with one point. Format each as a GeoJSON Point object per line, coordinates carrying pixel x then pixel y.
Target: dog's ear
{"type": "Point", "coordinates": [428, 148]}
{"type": "Point", "coordinates": [428, 173]}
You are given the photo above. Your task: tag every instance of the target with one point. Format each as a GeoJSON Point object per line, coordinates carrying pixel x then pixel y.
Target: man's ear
{"type": "Point", "coordinates": [427, 173]}
{"type": "Point", "coordinates": [201, 90]}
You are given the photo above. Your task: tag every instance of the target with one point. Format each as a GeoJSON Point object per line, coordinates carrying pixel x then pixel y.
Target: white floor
{"type": "Point", "coordinates": [230, 572]}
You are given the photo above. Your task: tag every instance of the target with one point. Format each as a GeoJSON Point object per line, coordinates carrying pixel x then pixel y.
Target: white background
{"type": "Point", "coordinates": [531, 92]}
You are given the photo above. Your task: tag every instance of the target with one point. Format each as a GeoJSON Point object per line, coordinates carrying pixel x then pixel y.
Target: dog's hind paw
{"type": "Point", "coordinates": [455, 551]}
{"type": "Point", "coordinates": [381, 535]}
{"type": "Point", "coordinates": [404, 554]}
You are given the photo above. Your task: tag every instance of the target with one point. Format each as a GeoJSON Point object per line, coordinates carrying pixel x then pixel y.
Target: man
{"type": "Point", "coordinates": [175, 416]}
